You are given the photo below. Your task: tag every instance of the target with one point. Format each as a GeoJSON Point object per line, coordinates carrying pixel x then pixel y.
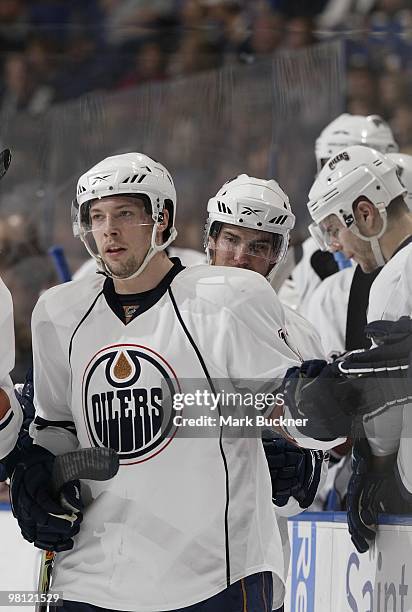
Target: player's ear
{"type": "Point", "coordinates": [366, 216]}
{"type": "Point", "coordinates": [162, 226]}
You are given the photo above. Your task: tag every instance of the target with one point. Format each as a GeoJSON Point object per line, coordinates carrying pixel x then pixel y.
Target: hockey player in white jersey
{"type": "Point", "coordinates": [11, 416]}
{"type": "Point", "coordinates": [248, 226]}
{"type": "Point", "coordinates": [337, 306]}
{"type": "Point", "coordinates": [358, 207]}
{"type": "Point", "coordinates": [168, 531]}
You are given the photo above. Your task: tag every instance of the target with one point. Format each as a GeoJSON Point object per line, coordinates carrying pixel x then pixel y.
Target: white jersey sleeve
{"type": "Point", "coordinates": [259, 322]}
{"type": "Point", "coordinates": [55, 428]}
{"type": "Point", "coordinates": [11, 417]}
{"type": "Point", "coordinates": [327, 309]}
{"type": "Point", "coordinates": [304, 280]}
{"type": "Point", "coordinates": [390, 298]}
{"type": "Point", "coordinates": [303, 335]}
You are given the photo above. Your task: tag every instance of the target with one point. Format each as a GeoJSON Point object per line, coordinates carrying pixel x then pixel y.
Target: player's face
{"type": "Point", "coordinates": [241, 247]}
{"type": "Point", "coordinates": [121, 230]}
{"type": "Point", "coordinates": [341, 238]}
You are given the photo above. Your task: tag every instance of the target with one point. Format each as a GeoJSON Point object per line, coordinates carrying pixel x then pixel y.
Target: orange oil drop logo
{"type": "Point", "coordinates": [122, 368]}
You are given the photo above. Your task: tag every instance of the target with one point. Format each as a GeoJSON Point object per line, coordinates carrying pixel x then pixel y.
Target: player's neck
{"type": "Point", "coordinates": [155, 271]}
{"type": "Point", "coordinates": [399, 230]}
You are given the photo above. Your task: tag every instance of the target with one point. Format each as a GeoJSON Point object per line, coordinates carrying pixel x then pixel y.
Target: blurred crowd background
{"type": "Point", "coordinates": [211, 88]}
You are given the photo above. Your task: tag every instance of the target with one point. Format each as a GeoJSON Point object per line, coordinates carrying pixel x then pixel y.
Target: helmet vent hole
{"type": "Point", "coordinates": [259, 224]}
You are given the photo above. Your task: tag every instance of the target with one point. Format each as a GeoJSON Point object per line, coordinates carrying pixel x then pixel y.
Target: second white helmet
{"type": "Point", "coordinates": [254, 203]}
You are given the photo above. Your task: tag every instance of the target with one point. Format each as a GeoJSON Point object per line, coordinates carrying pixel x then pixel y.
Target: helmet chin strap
{"type": "Point", "coordinates": [151, 252]}
{"type": "Point", "coordinates": [269, 276]}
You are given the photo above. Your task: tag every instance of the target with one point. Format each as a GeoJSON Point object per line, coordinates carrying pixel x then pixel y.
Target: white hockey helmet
{"type": "Point", "coordinates": [126, 174]}
{"type": "Point", "coordinates": [347, 130]}
{"type": "Point", "coordinates": [353, 172]}
{"type": "Point", "coordinates": [253, 203]}
{"type": "Point", "coordinates": [404, 163]}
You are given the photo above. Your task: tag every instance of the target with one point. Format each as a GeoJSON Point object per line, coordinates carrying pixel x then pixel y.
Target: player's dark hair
{"type": "Point", "coordinates": [215, 229]}
{"type": "Point", "coordinates": [169, 207]}
{"type": "Point", "coordinates": [397, 207]}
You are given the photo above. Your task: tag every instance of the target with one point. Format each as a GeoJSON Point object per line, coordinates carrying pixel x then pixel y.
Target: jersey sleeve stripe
{"type": "Point", "coordinates": [41, 423]}
{"type": "Point", "coordinates": [6, 419]}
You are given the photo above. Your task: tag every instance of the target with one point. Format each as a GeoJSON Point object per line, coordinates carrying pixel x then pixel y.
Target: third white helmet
{"type": "Point", "coordinates": [404, 163]}
{"type": "Point", "coordinates": [348, 130]}
{"type": "Point", "coordinates": [353, 172]}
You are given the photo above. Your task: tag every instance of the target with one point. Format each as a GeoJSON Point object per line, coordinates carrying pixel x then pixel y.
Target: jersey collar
{"type": "Point", "coordinates": [144, 300]}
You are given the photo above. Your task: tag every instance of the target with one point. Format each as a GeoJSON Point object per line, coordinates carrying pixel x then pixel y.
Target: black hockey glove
{"type": "Point", "coordinates": [381, 373]}
{"type": "Point", "coordinates": [48, 522]}
{"type": "Point", "coordinates": [318, 392]}
{"type": "Point", "coordinates": [365, 498]}
{"type": "Point", "coordinates": [295, 472]}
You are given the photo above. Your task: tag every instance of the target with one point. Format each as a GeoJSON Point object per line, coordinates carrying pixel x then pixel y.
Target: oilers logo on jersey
{"type": "Point", "coordinates": [125, 391]}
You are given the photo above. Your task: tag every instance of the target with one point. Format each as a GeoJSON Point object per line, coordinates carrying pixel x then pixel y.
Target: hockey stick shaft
{"type": "Point", "coordinates": [89, 463]}
{"type": "Point", "coordinates": [60, 263]}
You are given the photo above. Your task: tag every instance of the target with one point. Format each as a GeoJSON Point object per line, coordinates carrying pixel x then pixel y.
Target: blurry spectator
{"type": "Point", "coordinates": [19, 239]}
{"type": "Point", "coordinates": [85, 67]}
{"type": "Point", "coordinates": [362, 91]}
{"type": "Point", "coordinates": [299, 33]}
{"type": "Point", "coordinates": [267, 34]}
{"type": "Point", "coordinates": [192, 13]}
{"type": "Point", "coordinates": [52, 17]}
{"type": "Point", "coordinates": [393, 91]}
{"type": "Point", "coordinates": [195, 54]}
{"type": "Point", "coordinates": [391, 7]}
{"type": "Point", "coordinates": [26, 280]}
{"type": "Point", "coordinates": [402, 126]}
{"type": "Point", "coordinates": [149, 64]}
{"type": "Point", "coordinates": [21, 91]}
{"type": "Point", "coordinates": [14, 25]}
{"type": "Point", "coordinates": [43, 57]}
{"type": "Point", "coordinates": [227, 24]}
